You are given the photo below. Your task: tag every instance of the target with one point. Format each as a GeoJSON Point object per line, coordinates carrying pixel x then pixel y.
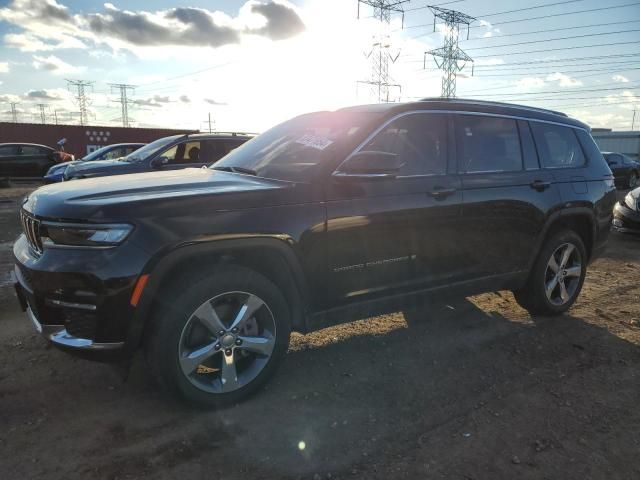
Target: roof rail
{"type": "Point", "coordinates": [234, 134]}
{"type": "Point", "coordinates": [490, 102]}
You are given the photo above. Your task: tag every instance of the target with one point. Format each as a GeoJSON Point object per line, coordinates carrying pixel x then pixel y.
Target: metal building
{"type": "Point", "coordinates": [619, 142]}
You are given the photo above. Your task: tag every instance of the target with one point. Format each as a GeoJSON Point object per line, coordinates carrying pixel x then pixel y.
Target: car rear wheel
{"type": "Point", "coordinates": [220, 340]}
{"type": "Point", "coordinates": [557, 276]}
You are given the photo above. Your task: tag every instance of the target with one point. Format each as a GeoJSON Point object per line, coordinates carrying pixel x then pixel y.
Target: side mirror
{"type": "Point", "coordinates": [370, 165]}
{"type": "Point", "coordinates": [158, 162]}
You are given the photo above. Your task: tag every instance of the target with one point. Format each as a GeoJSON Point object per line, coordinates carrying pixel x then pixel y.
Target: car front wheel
{"type": "Point", "coordinates": [221, 338]}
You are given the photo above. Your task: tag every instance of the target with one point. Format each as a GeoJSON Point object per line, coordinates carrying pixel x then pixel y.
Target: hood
{"type": "Point", "coordinates": [59, 167]}
{"type": "Point", "coordinates": [89, 168]}
{"type": "Point", "coordinates": [111, 197]}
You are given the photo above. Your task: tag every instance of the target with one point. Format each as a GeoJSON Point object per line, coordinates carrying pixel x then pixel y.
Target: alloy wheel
{"type": "Point", "coordinates": [563, 274]}
{"type": "Point", "coordinates": [227, 342]}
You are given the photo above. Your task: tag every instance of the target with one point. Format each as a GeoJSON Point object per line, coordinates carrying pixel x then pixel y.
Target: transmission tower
{"type": "Point", "coordinates": [14, 113]}
{"type": "Point", "coordinates": [450, 58]}
{"type": "Point", "coordinates": [43, 114]}
{"type": "Point", "coordinates": [380, 54]}
{"type": "Point", "coordinates": [81, 97]}
{"type": "Point", "coordinates": [124, 101]}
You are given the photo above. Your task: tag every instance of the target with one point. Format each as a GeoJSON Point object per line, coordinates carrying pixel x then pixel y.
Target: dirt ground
{"type": "Point", "coordinates": [476, 389]}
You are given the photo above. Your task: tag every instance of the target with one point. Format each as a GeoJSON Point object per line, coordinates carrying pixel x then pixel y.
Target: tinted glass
{"type": "Point", "coordinates": [191, 153]}
{"type": "Point", "coordinates": [151, 148]}
{"type": "Point", "coordinates": [487, 144]}
{"type": "Point", "coordinates": [419, 141]}
{"type": "Point", "coordinates": [557, 145]}
{"type": "Point", "coordinates": [7, 150]}
{"type": "Point", "coordinates": [32, 150]}
{"type": "Point", "coordinates": [293, 150]}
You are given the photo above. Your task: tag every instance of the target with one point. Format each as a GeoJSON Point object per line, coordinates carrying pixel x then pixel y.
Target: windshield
{"type": "Point", "coordinates": [150, 149]}
{"type": "Point", "coordinates": [96, 153]}
{"type": "Point", "coordinates": [292, 150]}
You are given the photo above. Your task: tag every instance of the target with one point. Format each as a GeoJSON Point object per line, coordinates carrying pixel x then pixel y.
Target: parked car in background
{"type": "Point", "coordinates": [28, 160]}
{"type": "Point", "coordinates": [168, 153]}
{"type": "Point", "coordinates": [326, 218]}
{"type": "Point", "coordinates": [626, 214]}
{"type": "Point", "coordinates": [626, 171]}
{"type": "Point", "coordinates": [110, 152]}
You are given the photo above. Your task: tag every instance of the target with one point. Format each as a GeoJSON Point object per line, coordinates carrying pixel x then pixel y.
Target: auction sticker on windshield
{"type": "Point", "coordinates": [313, 141]}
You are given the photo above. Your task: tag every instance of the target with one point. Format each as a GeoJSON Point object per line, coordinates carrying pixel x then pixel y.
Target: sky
{"type": "Point", "coordinates": [249, 65]}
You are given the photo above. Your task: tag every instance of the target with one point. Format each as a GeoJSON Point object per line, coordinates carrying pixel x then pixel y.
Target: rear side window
{"type": "Point", "coordinates": [557, 145]}
{"type": "Point", "coordinates": [419, 140]}
{"type": "Point", "coordinates": [487, 144]}
{"type": "Point", "coordinates": [589, 147]}
{"type": "Point", "coordinates": [7, 150]}
{"type": "Point", "coordinates": [31, 150]}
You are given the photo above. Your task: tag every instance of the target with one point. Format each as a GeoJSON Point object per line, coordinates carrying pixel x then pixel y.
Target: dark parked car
{"type": "Point", "coordinates": [26, 159]}
{"type": "Point", "coordinates": [326, 218]}
{"type": "Point", "coordinates": [110, 152]}
{"type": "Point", "coordinates": [168, 153]}
{"type": "Point", "coordinates": [626, 171]}
{"type": "Point", "coordinates": [626, 214]}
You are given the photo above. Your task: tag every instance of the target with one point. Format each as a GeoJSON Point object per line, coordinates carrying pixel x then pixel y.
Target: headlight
{"type": "Point", "coordinates": [632, 202]}
{"type": "Point", "coordinates": [68, 235]}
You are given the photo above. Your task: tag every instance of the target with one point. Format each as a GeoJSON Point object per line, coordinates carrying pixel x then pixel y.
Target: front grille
{"type": "Point", "coordinates": [31, 227]}
{"type": "Point", "coordinates": [81, 325]}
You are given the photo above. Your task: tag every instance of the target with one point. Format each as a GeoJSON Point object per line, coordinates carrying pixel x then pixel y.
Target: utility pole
{"type": "Point", "coordinates": [381, 82]}
{"type": "Point", "coordinates": [55, 116]}
{"type": "Point", "coordinates": [449, 56]}
{"type": "Point", "coordinates": [43, 115]}
{"type": "Point", "coordinates": [81, 97]}
{"type": "Point", "coordinates": [14, 112]}
{"type": "Point", "coordinates": [124, 101]}
{"type": "Point", "coordinates": [211, 123]}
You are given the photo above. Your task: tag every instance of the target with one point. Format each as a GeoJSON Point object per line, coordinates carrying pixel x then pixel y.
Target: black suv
{"type": "Point", "coordinates": [325, 218]}
{"type": "Point", "coordinates": [167, 153]}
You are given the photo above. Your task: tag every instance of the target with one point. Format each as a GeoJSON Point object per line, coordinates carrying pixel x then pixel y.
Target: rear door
{"type": "Point", "coordinates": [506, 194]}
{"type": "Point", "coordinates": [396, 234]}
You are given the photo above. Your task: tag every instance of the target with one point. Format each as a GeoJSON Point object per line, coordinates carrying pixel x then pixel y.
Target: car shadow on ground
{"type": "Point", "coordinates": [453, 386]}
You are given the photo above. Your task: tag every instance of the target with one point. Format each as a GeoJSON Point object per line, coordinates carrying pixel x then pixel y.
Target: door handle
{"type": "Point", "coordinates": [540, 185]}
{"type": "Point", "coordinates": [441, 193]}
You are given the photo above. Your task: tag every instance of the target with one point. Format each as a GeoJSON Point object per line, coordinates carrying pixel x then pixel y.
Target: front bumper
{"type": "Point", "coordinates": [79, 300]}
{"type": "Point", "coordinates": [625, 220]}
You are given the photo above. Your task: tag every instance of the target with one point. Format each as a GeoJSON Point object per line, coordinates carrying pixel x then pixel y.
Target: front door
{"type": "Point", "coordinates": [396, 234]}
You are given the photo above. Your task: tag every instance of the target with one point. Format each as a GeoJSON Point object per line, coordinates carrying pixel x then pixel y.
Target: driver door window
{"type": "Point", "coordinates": [419, 141]}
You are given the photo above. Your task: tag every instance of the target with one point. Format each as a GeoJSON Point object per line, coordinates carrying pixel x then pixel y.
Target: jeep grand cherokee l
{"type": "Point", "coordinates": [326, 218]}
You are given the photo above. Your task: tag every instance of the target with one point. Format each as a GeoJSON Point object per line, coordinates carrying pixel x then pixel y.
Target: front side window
{"type": "Point", "coordinates": [295, 149]}
{"type": "Point", "coordinates": [558, 146]}
{"type": "Point", "coordinates": [191, 153]}
{"type": "Point", "coordinates": [419, 141]}
{"type": "Point", "coordinates": [7, 150]}
{"type": "Point", "coordinates": [487, 144]}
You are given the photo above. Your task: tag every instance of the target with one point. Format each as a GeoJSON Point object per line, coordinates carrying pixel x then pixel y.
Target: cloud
{"type": "Point", "coordinates": [46, 25]}
{"type": "Point", "coordinates": [155, 101]}
{"type": "Point", "coordinates": [8, 98]}
{"type": "Point", "coordinates": [43, 95]}
{"type": "Point", "coordinates": [564, 80]}
{"type": "Point", "coordinates": [282, 20]}
{"type": "Point", "coordinates": [54, 64]}
{"type": "Point", "coordinates": [4, 67]}
{"type": "Point", "coordinates": [620, 78]}
{"type": "Point", "coordinates": [490, 29]}
{"type": "Point", "coordinates": [211, 101]}
{"type": "Point", "coordinates": [529, 83]}
{"type": "Point", "coordinates": [184, 99]}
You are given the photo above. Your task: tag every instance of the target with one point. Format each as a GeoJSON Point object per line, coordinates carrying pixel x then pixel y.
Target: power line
{"type": "Point", "coordinates": [563, 71]}
{"type": "Point", "coordinates": [563, 62]}
{"type": "Point", "coordinates": [555, 39]}
{"type": "Point", "coordinates": [435, 5]}
{"type": "Point", "coordinates": [504, 12]}
{"type": "Point", "coordinates": [124, 101]}
{"type": "Point", "coordinates": [564, 92]}
{"type": "Point", "coordinates": [563, 48]}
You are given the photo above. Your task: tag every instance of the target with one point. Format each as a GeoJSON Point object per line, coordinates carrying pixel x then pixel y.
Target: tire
{"type": "Point", "coordinates": [634, 181]}
{"type": "Point", "coordinates": [228, 365]}
{"type": "Point", "coordinates": [533, 297]}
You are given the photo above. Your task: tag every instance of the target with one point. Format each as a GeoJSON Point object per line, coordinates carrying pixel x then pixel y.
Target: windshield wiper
{"type": "Point", "coordinates": [247, 171]}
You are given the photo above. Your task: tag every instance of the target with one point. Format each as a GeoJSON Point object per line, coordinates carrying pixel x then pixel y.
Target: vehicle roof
{"type": "Point", "coordinates": [24, 143]}
{"type": "Point", "coordinates": [220, 135]}
{"type": "Point", "coordinates": [124, 144]}
{"type": "Point", "coordinates": [466, 105]}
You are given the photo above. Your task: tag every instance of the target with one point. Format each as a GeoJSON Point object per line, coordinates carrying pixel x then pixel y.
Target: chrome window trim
{"type": "Point", "coordinates": [462, 112]}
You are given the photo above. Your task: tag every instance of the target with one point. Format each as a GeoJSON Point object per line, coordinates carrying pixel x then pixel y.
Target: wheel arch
{"type": "Point", "coordinates": [272, 257]}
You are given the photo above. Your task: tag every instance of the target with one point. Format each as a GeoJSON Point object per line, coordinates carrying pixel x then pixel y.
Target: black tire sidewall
{"type": "Point", "coordinates": [162, 351]}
